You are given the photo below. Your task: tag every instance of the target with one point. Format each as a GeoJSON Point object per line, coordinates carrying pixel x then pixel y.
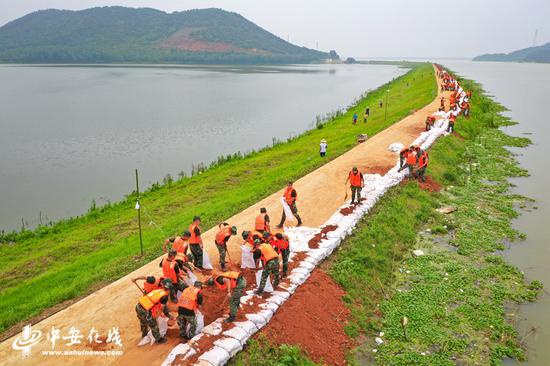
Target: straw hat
{"type": "Point", "coordinates": [323, 140]}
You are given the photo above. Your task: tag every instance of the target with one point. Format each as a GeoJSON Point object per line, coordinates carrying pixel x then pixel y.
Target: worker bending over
{"type": "Point", "coordinates": [290, 198]}
{"type": "Point", "coordinates": [422, 165]}
{"type": "Point", "coordinates": [234, 283]}
{"type": "Point", "coordinates": [172, 269]}
{"type": "Point", "coordinates": [150, 283]}
{"type": "Point", "coordinates": [189, 303]}
{"type": "Point", "coordinates": [222, 236]}
{"type": "Point", "coordinates": [356, 183]}
{"type": "Point", "coordinates": [149, 307]}
{"type": "Point", "coordinates": [410, 160]}
{"type": "Point", "coordinates": [270, 263]}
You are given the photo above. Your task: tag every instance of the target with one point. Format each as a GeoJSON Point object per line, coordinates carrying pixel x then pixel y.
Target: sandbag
{"type": "Point", "coordinates": [288, 211]}
{"type": "Point", "coordinates": [216, 356]}
{"type": "Point", "coordinates": [206, 263]}
{"type": "Point", "coordinates": [231, 345]}
{"type": "Point", "coordinates": [396, 147]}
{"type": "Point", "coordinates": [162, 323]}
{"type": "Point", "coordinates": [247, 257]}
{"type": "Point", "coordinates": [248, 326]}
{"type": "Point", "coordinates": [200, 322]}
{"type": "Point", "coordinates": [239, 334]}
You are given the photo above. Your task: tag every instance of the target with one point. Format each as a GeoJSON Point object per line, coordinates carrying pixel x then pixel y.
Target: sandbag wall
{"type": "Point", "coordinates": [229, 342]}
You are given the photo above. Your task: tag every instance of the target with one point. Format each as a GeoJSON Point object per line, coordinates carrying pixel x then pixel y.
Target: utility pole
{"type": "Point", "coordinates": [138, 208]}
{"type": "Point", "coordinates": [386, 109]}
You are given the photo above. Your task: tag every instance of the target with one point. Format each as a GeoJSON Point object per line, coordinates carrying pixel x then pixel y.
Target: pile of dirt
{"type": "Point", "coordinates": [314, 319]}
{"type": "Point", "coordinates": [348, 210]}
{"type": "Point", "coordinates": [430, 185]}
{"type": "Point", "coordinates": [313, 243]}
{"type": "Point", "coordinates": [376, 169]}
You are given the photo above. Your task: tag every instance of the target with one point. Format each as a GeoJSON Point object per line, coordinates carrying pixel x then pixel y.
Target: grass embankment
{"type": "Point", "coordinates": [47, 266]}
{"type": "Point", "coordinates": [455, 297]}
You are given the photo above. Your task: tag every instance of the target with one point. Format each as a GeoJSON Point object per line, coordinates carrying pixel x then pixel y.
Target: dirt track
{"type": "Point", "coordinates": [320, 193]}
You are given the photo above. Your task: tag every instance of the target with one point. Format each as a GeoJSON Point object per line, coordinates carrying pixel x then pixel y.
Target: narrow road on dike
{"type": "Point", "coordinates": [320, 194]}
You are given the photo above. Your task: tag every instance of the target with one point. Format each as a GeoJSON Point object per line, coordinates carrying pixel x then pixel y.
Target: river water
{"type": "Point", "coordinates": [525, 89]}
{"type": "Point", "coordinates": [70, 135]}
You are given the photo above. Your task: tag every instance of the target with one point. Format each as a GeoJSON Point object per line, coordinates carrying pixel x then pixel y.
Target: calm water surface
{"type": "Point", "coordinates": [525, 90]}
{"type": "Point", "coordinates": [70, 135]}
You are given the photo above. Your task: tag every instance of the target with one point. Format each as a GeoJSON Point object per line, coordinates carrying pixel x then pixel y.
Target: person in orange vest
{"type": "Point", "coordinates": [150, 283]}
{"type": "Point", "coordinates": [403, 156]}
{"type": "Point", "coordinates": [410, 160]}
{"type": "Point", "coordinates": [172, 269]}
{"type": "Point", "coordinates": [149, 307]}
{"type": "Point", "coordinates": [222, 236]}
{"type": "Point", "coordinates": [180, 244]}
{"type": "Point", "coordinates": [356, 184]}
{"type": "Point", "coordinates": [430, 120]}
{"type": "Point", "coordinates": [234, 283]}
{"type": "Point", "coordinates": [451, 125]}
{"type": "Point", "coordinates": [443, 103]}
{"type": "Point", "coordinates": [422, 165]}
{"type": "Point", "coordinates": [195, 242]}
{"type": "Point", "coordinates": [262, 221]}
{"type": "Point", "coordinates": [465, 106]}
{"type": "Point", "coordinates": [270, 264]}
{"type": "Point", "coordinates": [290, 198]}
{"type": "Point", "coordinates": [189, 302]}
{"type": "Point", "coordinates": [281, 244]}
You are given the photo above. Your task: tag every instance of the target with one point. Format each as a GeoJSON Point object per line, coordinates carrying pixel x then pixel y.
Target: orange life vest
{"type": "Point", "coordinates": [355, 179]}
{"type": "Point", "coordinates": [222, 234]}
{"type": "Point", "coordinates": [194, 239]}
{"type": "Point", "coordinates": [268, 253]}
{"type": "Point", "coordinates": [188, 298]}
{"type": "Point", "coordinates": [168, 270]}
{"type": "Point", "coordinates": [288, 196]}
{"type": "Point", "coordinates": [260, 224]}
{"type": "Point", "coordinates": [280, 244]}
{"type": "Point", "coordinates": [232, 276]}
{"type": "Point", "coordinates": [411, 158]}
{"type": "Point", "coordinates": [148, 287]}
{"type": "Point", "coordinates": [404, 152]}
{"type": "Point", "coordinates": [152, 298]}
{"type": "Point", "coordinates": [180, 245]}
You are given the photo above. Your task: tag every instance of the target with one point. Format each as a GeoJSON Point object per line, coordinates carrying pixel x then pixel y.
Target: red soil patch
{"type": "Point", "coordinates": [296, 261]}
{"type": "Point", "coordinates": [313, 243]}
{"type": "Point", "coordinates": [348, 210]}
{"type": "Point", "coordinates": [430, 185]}
{"type": "Point", "coordinates": [377, 169]}
{"type": "Point", "coordinates": [314, 318]}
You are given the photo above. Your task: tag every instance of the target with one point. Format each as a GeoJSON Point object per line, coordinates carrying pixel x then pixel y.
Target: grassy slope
{"type": "Point", "coordinates": [67, 260]}
{"type": "Point", "coordinates": [454, 299]}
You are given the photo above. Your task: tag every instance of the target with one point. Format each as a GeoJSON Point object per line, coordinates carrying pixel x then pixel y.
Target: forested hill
{"type": "Point", "coordinates": [531, 54]}
{"type": "Point", "coordinates": [128, 35]}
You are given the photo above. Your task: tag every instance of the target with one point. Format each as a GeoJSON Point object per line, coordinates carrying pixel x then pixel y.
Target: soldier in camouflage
{"type": "Point", "coordinates": [270, 262]}
{"type": "Point", "coordinates": [149, 308]}
{"type": "Point", "coordinates": [235, 284]}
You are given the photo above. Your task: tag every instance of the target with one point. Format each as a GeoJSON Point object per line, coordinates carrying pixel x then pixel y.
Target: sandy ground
{"type": "Point", "coordinates": [320, 194]}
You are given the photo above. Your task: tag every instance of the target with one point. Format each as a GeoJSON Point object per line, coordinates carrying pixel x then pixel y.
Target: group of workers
{"type": "Point", "coordinates": [178, 288]}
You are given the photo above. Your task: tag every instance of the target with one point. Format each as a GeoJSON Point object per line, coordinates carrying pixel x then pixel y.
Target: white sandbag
{"type": "Point", "coordinates": [231, 345]}
{"type": "Point", "coordinates": [206, 263]}
{"type": "Point", "coordinates": [288, 211]}
{"type": "Point", "coordinates": [162, 323]}
{"type": "Point", "coordinates": [289, 287]}
{"type": "Point", "coordinates": [183, 350]}
{"type": "Point", "coordinates": [266, 313]}
{"type": "Point", "coordinates": [304, 271]}
{"type": "Point", "coordinates": [248, 326]}
{"type": "Point", "coordinates": [190, 279]}
{"type": "Point", "coordinates": [213, 328]}
{"type": "Point", "coordinates": [284, 294]}
{"type": "Point", "coordinates": [297, 278]}
{"type": "Point", "coordinates": [299, 237]}
{"type": "Point", "coordinates": [396, 147]}
{"type": "Point", "coordinates": [247, 257]}
{"type": "Point", "coordinates": [258, 320]}
{"type": "Point", "coordinates": [307, 265]}
{"type": "Point", "coordinates": [237, 333]}
{"type": "Point", "coordinates": [269, 306]}
{"type": "Point", "coordinates": [203, 363]}
{"type": "Point", "coordinates": [217, 356]}
{"type": "Point", "coordinates": [276, 299]}
{"type": "Point", "coordinates": [312, 260]}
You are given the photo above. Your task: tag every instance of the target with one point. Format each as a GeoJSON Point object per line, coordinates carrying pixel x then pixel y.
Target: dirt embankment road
{"type": "Point", "coordinates": [320, 194]}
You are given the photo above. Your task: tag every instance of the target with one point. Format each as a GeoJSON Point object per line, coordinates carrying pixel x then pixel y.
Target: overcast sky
{"type": "Point", "coordinates": [365, 28]}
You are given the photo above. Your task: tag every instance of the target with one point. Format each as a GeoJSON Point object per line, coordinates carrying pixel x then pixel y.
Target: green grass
{"type": "Point", "coordinates": [454, 299]}
{"type": "Point", "coordinates": [42, 268]}
{"type": "Point", "coordinates": [260, 352]}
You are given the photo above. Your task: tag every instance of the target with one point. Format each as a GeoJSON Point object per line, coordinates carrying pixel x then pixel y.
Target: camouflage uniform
{"type": "Point", "coordinates": [222, 249]}
{"type": "Point", "coordinates": [271, 266]}
{"type": "Point", "coordinates": [183, 321]}
{"type": "Point", "coordinates": [235, 300]}
{"type": "Point", "coordinates": [147, 321]}
{"type": "Point", "coordinates": [196, 250]}
{"type": "Point", "coordinates": [285, 254]}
